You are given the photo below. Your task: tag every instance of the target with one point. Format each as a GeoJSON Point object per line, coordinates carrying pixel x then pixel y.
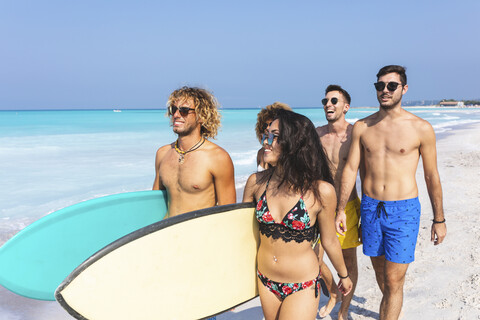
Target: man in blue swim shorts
{"type": "Point", "coordinates": [386, 147]}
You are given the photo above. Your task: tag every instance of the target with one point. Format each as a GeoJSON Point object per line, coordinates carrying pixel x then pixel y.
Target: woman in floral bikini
{"type": "Point", "coordinates": [295, 200]}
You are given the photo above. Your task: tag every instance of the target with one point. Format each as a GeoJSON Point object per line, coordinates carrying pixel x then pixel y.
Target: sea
{"type": "Point", "coordinates": [53, 159]}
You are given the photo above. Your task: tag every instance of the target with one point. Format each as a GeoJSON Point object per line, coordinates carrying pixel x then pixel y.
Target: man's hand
{"type": "Point", "coordinates": [341, 222]}
{"type": "Point", "coordinates": [439, 231]}
{"type": "Point", "coordinates": [345, 286]}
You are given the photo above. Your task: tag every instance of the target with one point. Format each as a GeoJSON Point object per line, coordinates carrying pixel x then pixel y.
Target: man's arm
{"type": "Point", "coordinates": [428, 152]}
{"type": "Point", "coordinates": [328, 237]}
{"type": "Point", "coordinates": [157, 183]}
{"type": "Point", "coordinates": [249, 190]}
{"type": "Point", "coordinates": [260, 157]}
{"type": "Point", "coordinates": [224, 179]}
{"type": "Point", "coordinates": [349, 176]}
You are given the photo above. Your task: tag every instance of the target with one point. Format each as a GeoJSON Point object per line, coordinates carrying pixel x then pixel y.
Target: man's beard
{"type": "Point", "coordinates": [391, 103]}
{"type": "Point", "coordinates": [186, 131]}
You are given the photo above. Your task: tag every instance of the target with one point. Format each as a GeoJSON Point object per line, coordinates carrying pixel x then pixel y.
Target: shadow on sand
{"type": "Point", "coordinates": [254, 313]}
{"type": "Point", "coordinates": [355, 308]}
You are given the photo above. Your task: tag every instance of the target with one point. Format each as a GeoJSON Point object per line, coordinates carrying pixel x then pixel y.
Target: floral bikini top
{"type": "Point", "coordinates": [294, 226]}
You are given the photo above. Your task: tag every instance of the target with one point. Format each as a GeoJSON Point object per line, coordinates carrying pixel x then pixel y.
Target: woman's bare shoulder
{"type": "Point", "coordinates": [327, 193]}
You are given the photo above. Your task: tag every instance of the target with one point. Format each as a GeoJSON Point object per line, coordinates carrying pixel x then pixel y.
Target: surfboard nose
{"type": "Point", "coordinates": [189, 266]}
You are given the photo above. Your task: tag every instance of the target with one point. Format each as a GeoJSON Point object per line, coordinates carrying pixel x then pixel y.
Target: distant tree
{"type": "Point", "coordinates": [471, 102]}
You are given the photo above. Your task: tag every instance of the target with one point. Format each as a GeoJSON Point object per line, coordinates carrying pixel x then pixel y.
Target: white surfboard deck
{"type": "Point", "coordinates": [190, 266]}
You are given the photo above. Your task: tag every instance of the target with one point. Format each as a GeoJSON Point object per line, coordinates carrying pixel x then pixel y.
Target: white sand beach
{"type": "Point", "coordinates": [442, 283]}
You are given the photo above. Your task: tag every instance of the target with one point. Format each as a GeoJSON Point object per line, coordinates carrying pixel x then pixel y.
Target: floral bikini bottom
{"type": "Point", "coordinates": [283, 290]}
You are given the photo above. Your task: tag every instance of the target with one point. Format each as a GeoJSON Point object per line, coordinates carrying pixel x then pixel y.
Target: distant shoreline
{"type": "Point", "coordinates": [231, 108]}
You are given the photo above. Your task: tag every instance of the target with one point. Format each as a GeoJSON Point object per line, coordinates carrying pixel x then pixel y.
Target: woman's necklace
{"type": "Point", "coordinates": [182, 154]}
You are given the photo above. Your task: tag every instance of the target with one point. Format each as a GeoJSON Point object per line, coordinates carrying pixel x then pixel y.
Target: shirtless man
{"type": "Point", "coordinates": [336, 138]}
{"type": "Point", "coordinates": [389, 144]}
{"type": "Point", "coordinates": [195, 172]}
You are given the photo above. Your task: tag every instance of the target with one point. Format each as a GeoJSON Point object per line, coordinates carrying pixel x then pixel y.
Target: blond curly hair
{"type": "Point", "coordinates": [267, 114]}
{"type": "Point", "coordinates": [206, 108]}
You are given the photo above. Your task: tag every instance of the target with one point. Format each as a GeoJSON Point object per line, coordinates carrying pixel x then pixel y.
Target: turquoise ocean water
{"type": "Point", "coordinates": [52, 159]}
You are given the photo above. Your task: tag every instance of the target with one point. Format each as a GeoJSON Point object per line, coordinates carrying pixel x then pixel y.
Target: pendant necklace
{"type": "Point", "coordinates": [182, 154]}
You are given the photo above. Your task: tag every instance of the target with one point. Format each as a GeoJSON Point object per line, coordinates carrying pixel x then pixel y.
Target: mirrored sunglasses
{"type": "Point", "coordinates": [270, 137]}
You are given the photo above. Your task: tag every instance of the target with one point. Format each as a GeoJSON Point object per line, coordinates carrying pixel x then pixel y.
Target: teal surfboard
{"type": "Point", "coordinates": [37, 259]}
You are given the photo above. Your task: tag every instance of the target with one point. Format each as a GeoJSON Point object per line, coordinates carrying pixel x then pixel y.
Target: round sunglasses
{"type": "Point", "coordinates": [334, 101]}
{"type": "Point", "coordinates": [266, 125]}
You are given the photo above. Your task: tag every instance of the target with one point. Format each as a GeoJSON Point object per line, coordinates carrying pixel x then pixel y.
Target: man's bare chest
{"type": "Point", "coordinates": [336, 149]}
{"type": "Point", "coordinates": [191, 175]}
{"type": "Point", "coordinates": [394, 142]}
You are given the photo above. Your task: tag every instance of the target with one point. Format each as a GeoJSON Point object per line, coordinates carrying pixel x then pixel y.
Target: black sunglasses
{"type": "Point", "coordinates": [266, 125]}
{"type": "Point", "coordinates": [391, 86]}
{"type": "Point", "coordinates": [334, 101]}
{"type": "Point", "coordinates": [183, 110]}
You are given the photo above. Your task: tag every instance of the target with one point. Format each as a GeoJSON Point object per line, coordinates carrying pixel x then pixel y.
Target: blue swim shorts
{"type": "Point", "coordinates": [390, 228]}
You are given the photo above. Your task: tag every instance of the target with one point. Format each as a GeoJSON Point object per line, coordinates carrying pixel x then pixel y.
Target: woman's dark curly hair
{"type": "Point", "coordinates": [267, 114]}
{"type": "Point", "coordinates": [302, 160]}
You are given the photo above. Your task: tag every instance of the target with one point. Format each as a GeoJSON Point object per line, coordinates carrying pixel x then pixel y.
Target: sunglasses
{"type": "Point", "coordinates": [266, 125]}
{"type": "Point", "coordinates": [270, 137]}
{"type": "Point", "coordinates": [183, 110]}
{"type": "Point", "coordinates": [334, 101]}
{"type": "Point", "coordinates": [391, 86]}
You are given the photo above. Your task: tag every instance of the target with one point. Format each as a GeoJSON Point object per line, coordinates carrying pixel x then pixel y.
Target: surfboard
{"type": "Point", "coordinates": [36, 260]}
{"type": "Point", "coordinates": [190, 266]}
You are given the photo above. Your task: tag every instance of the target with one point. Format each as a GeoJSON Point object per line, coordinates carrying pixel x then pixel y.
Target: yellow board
{"type": "Point", "coordinates": [186, 267]}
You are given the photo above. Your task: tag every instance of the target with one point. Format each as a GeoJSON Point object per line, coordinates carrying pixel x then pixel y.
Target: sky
{"type": "Point", "coordinates": [132, 54]}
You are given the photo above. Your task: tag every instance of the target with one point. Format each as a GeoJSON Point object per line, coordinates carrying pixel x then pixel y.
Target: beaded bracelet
{"type": "Point", "coordinates": [342, 277]}
{"type": "Point", "coordinates": [435, 222]}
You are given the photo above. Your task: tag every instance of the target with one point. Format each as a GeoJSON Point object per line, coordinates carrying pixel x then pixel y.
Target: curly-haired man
{"type": "Point", "coordinates": [195, 172]}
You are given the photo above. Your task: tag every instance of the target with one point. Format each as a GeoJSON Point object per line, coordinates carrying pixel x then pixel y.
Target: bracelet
{"type": "Point", "coordinates": [435, 222]}
{"type": "Point", "coordinates": [342, 277]}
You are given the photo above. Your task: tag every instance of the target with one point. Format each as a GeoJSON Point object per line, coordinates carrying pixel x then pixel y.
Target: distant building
{"type": "Point", "coordinates": [451, 104]}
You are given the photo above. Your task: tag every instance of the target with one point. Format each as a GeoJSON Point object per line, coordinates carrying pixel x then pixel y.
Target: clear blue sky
{"type": "Point", "coordinates": [132, 54]}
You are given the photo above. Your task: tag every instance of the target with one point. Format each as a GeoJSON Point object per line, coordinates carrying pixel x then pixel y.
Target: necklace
{"type": "Point", "coordinates": [182, 153]}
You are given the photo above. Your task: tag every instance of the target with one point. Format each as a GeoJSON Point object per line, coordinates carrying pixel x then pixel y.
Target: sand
{"type": "Point", "coordinates": [442, 283]}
